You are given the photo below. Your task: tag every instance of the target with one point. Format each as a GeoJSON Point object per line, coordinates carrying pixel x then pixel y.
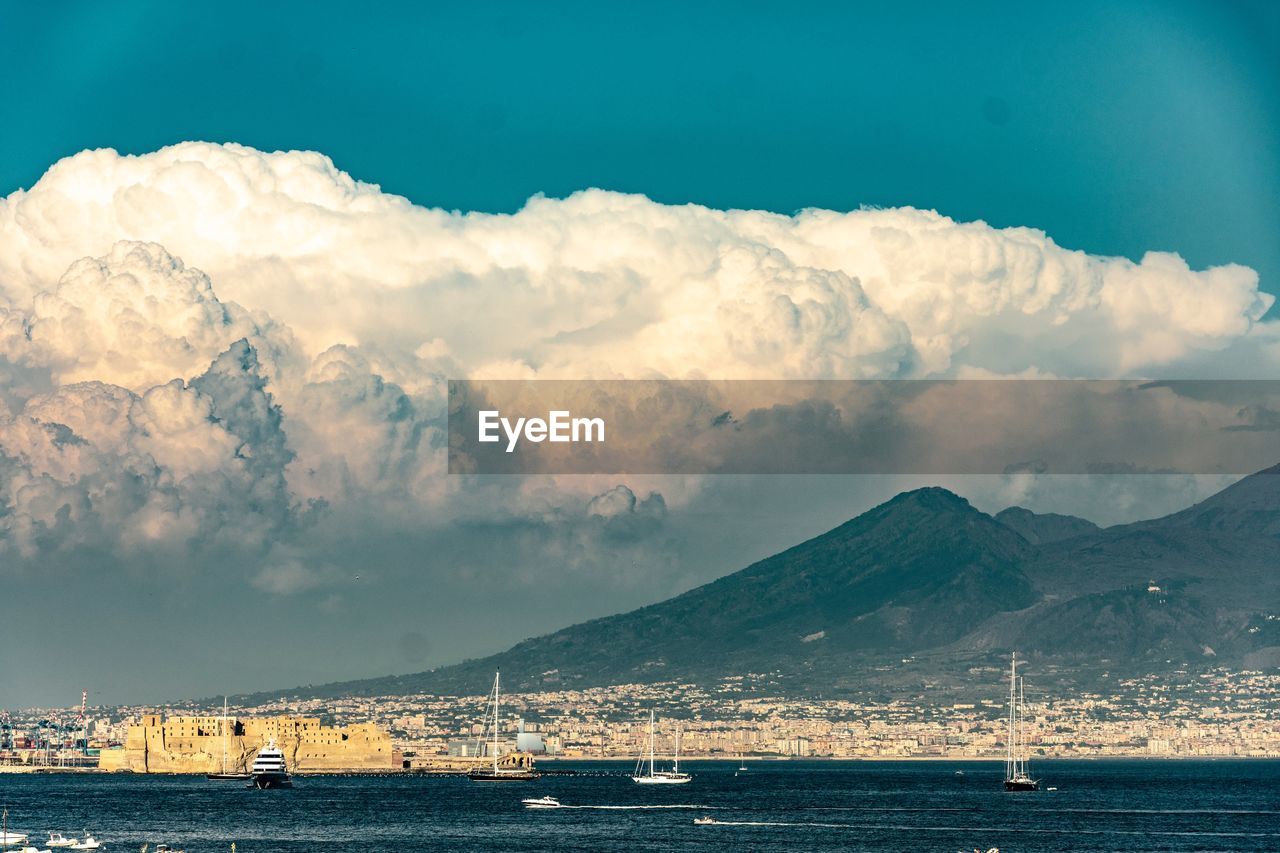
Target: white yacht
{"type": "Point", "coordinates": [655, 776]}
{"type": "Point", "coordinates": [269, 770]}
{"type": "Point", "coordinates": [57, 839]}
{"type": "Point", "coordinates": [89, 843]}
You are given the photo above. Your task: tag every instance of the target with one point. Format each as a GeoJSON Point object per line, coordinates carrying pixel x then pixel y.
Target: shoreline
{"type": "Point", "coordinates": [756, 761]}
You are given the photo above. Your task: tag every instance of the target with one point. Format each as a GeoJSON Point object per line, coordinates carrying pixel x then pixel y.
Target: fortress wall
{"type": "Point", "coordinates": [195, 745]}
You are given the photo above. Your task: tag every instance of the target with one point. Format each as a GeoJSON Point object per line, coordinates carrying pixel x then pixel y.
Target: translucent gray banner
{"type": "Point", "coordinates": [863, 426]}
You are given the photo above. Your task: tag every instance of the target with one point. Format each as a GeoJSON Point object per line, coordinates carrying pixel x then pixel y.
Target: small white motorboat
{"type": "Point", "coordinates": [57, 839]}
{"type": "Point", "coordinates": [89, 843]}
{"type": "Point", "coordinates": [542, 803]}
{"type": "Point", "coordinates": [704, 821]}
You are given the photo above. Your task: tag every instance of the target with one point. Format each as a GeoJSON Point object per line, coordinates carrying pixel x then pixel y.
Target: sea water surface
{"type": "Point", "coordinates": [1180, 805]}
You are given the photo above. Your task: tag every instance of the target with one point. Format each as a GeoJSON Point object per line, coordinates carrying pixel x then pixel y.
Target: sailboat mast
{"type": "Point", "coordinates": [650, 741]}
{"type": "Point", "coordinates": [677, 767]}
{"type": "Point", "coordinates": [1022, 728]}
{"type": "Point", "coordinates": [1009, 754]}
{"type": "Point", "coordinates": [496, 677]}
{"type": "Point", "coordinates": [224, 735]}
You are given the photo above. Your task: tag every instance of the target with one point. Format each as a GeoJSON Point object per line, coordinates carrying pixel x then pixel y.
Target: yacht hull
{"type": "Point", "coordinates": [1021, 785]}
{"type": "Point", "coordinates": [662, 780]}
{"type": "Point", "coordinates": [490, 776]}
{"type": "Point", "coordinates": [264, 781]}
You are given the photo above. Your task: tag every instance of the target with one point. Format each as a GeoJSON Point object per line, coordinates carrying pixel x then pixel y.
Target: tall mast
{"type": "Point", "coordinates": [1022, 728]}
{"type": "Point", "coordinates": [224, 735]}
{"type": "Point", "coordinates": [650, 741]}
{"type": "Point", "coordinates": [677, 767]}
{"type": "Point", "coordinates": [496, 676]}
{"type": "Point", "coordinates": [1009, 755]}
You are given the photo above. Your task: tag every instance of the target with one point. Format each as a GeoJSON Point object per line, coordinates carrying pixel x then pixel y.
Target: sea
{"type": "Point", "coordinates": [1165, 805]}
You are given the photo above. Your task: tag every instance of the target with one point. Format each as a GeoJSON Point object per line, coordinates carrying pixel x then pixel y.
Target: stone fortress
{"type": "Point", "coordinates": [197, 744]}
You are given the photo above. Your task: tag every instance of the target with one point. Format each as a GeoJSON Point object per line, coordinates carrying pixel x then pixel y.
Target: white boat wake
{"type": "Point", "coordinates": [676, 806]}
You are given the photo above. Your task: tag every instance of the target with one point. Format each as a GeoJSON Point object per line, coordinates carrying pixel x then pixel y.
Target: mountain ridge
{"type": "Point", "coordinates": [925, 576]}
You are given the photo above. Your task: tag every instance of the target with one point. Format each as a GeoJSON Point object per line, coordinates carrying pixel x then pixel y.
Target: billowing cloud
{"type": "Point", "coordinates": [182, 465]}
{"type": "Point", "coordinates": [135, 317]}
{"type": "Point", "coordinates": [605, 284]}
{"type": "Point", "coordinates": [304, 372]}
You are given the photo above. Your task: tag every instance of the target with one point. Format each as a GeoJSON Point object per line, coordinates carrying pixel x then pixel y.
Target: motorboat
{"type": "Point", "coordinates": [89, 843]}
{"type": "Point", "coordinates": [57, 839]}
{"type": "Point", "coordinates": [542, 803]}
{"type": "Point", "coordinates": [704, 821]}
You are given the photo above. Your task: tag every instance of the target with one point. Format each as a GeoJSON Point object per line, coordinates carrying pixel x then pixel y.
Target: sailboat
{"type": "Point", "coordinates": [224, 775]}
{"type": "Point", "coordinates": [659, 777]}
{"type": "Point", "coordinates": [11, 839]}
{"type": "Point", "coordinates": [1016, 775]}
{"type": "Point", "coordinates": [496, 773]}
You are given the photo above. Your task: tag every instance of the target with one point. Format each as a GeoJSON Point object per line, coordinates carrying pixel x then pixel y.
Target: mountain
{"type": "Point", "coordinates": [922, 588]}
{"type": "Point", "coordinates": [1042, 528]}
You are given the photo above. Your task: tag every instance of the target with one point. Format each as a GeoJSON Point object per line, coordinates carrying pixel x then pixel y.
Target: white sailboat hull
{"type": "Point", "coordinates": [663, 779]}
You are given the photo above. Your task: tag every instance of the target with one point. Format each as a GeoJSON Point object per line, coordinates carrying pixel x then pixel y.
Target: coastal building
{"type": "Point", "coordinates": [199, 744]}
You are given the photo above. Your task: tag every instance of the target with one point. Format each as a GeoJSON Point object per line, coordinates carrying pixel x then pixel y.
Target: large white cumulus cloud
{"type": "Point", "coordinates": [214, 346]}
{"type": "Point", "coordinates": [96, 466]}
{"type": "Point", "coordinates": [612, 284]}
{"type": "Point", "coordinates": [136, 316]}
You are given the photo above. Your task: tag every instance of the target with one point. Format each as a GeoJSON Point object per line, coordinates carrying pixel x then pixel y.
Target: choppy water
{"type": "Point", "coordinates": [810, 806]}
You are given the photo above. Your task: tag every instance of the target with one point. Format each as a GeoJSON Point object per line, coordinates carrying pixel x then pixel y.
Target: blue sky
{"type": "Point", "coordinates": [1115, 127]}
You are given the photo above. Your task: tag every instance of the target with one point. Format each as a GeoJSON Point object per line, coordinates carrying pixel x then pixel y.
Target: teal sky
{"type": "Point", "coordinates": [1116, 127]}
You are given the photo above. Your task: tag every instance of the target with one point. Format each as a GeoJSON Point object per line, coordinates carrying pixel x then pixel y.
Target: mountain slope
{"type": "Point", "coordinates": [1042, 528]}
{"type": "Point", "coordinates": [927, 578]}
{"type": "Point", "coordinates": [916, 572]}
